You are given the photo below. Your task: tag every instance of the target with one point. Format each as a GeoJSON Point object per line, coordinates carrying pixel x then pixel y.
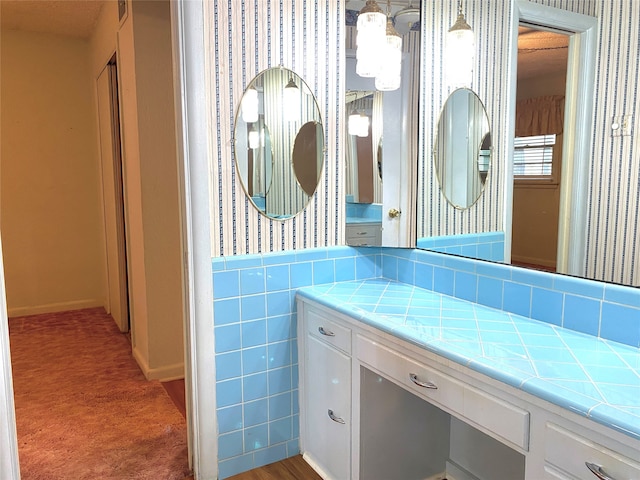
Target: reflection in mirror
{"type": "Point", "coordinates": [258, 169]}
{"type": "Point", "coordinates": [541, 71]}
{"type": "Point", "coordinates": [380, 158]}
{"type": "Point", "coordinates": [462, 150]}
{"type": "Point", "coordinates": [279, 143]}
{"type": "Point", "coordinates": [304, 148]}
{"type": "Point", "coordinates": [363, 155]}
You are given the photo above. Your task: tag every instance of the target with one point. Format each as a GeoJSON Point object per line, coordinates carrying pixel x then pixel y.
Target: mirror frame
{"type": "Point", "coordinates": [583, 45]}
{"type": "Point", "coordinates": [470, 162]}
{"type": "Point", "coordinates": [314, 116]}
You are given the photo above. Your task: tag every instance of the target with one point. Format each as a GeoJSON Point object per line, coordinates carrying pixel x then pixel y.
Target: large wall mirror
{"type": "Point", "coordinates": [363, 150]}
{"type": "Point", "coordinates": [279, 143]}
{"type": "Point", "coordinates": [462, 151]}
{"type": "Point", "coordinates": [572, 56]}
{"type": "Point", "coordinates": [380, 194]}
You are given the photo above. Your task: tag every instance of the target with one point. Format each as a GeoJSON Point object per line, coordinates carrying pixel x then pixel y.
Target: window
{"type": "Point", "coordinates": [533, 157]}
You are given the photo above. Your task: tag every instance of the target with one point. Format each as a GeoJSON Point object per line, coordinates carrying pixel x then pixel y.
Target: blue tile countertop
{"type": "Point", "coordinates": [593, 377]}
{"type": "Point", "coordinates": [363, 220]}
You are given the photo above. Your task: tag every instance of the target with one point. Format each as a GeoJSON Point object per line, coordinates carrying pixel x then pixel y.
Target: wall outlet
{"type": "Point", "coordinates": [621, 125]}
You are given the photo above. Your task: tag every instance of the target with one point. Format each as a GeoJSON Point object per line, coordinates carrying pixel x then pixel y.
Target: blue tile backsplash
{"type": "Point", "coordinates": [482, 246]}
{"type": "Point", "coordinates": [605, 310]}
{"type": "Point", "coordinates": [256, 349]}
{"type": "Point", "coordinates": [255, 326]}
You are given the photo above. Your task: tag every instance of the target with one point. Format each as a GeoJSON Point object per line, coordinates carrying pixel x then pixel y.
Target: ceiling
{"type": "Point", "coordinates": [74, 18]}
{"type": "Point", "coordinates": [539, 53]}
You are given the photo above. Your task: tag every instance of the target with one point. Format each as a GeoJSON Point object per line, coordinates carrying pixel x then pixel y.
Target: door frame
{"type": "Point", "coordinates": [574, 190]}
{"type": "Point", "coordinates": [192, 133]}
{"type": "Point", "coordinates": [9, 465]}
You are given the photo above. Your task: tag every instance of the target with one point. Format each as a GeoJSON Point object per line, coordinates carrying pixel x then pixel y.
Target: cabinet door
{"type": "Point", "coordinates": [328, 394]}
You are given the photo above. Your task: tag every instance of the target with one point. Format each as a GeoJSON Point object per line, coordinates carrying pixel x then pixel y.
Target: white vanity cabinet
{"type": "Point", "coordinates": [399, 408]}
{"type": "Point", "coordinates": [363, 234]}
{"type": "Point", "coordinates": [570, 456]}
{"type": "Point", "coordinates": [325, 394]}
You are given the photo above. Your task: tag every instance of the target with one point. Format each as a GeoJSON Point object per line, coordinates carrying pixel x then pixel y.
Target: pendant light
{"type": "Point", "coordinates": [250, 105]}
{"type": "Point", "coordinates": [254, 139]}
{"type": "Point", "coordinates": [405, 19]}
{"type": "Point", "coordinates": [371, 28]}
{"type": "Point", "coordinates": [460, 46]}
{"type": "Point", "coordinates": [291, 101]}
{"type": "Point", "coordinates": [391, 58]}
{"type": "Point", "coordinates": [358, 124]}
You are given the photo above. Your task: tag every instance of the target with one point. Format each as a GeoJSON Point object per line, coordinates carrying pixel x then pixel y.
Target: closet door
{"type": "Point", "coordinates": [113, 195]}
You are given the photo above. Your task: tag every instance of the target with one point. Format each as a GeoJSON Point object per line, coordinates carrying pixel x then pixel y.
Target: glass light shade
{"type": "Point", "coordinates": [460, 46]}
{"type": "Point", "coordinates": [391, 57]}
{"type": "Point", "coordinates": [354, 119]}
{"type": "Point", "coordinates": [254, 139]}
{"type": "Point", "coordinates": [291, 101]}
{"type": "Point", "coordinates": [250, 106]}
{"type": "Point", "coordinates": [358, 124]}
{"type": "Point", "coordinates": [405, 19]}
{"type": "Point", "coordinates": [370, 39]}
{"type": "Point", "coordinates": [364, 126]}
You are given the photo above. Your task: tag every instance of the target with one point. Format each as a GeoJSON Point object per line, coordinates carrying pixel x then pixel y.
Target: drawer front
{"type": "Point", "coordinates": [503, 419]}
{"type": "Point", "coordinates": [568, 452]}
{"type": "Point", "coordinates": [449, 392]}
{"type": "Point", "coordinates": [363, 241]}
{"type": "Point", "coordinates": [328, 331]}
{"type": "Point", "coordinates": [363, 234]}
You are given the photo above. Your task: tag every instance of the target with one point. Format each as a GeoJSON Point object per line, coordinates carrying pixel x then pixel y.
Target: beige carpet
{"type": "Point", "coordinates": [84, 409]}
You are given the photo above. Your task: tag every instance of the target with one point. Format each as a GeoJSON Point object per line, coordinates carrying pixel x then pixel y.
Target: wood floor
{"type": "Point", "coordinates": [294, 468]}
{"type": "Point", "coordinates": [175, 390]}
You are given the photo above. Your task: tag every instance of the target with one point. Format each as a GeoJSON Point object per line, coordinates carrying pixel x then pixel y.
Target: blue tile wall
{"type": "Point", "coordinates": [255, 326]}
{"type": "Point", "coordinates": [370, 211]}
{"type": "Point", "coordinates": [609, 311]}
{"type": "Point", "coordinates": [256, 349]}
{"type": "Point", "coordinates": [482, 246]}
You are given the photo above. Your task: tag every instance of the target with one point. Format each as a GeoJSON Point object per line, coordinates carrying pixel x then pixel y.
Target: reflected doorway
{"type": "Point", "coordinates": [538, 153]}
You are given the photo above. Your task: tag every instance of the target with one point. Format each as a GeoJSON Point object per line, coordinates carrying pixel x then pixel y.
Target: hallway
{"type": "Point", "coordinates": [84, 409]}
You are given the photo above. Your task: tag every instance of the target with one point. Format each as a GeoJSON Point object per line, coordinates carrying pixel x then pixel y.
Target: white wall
{"type": "Point", "coordinates": [50, 185]}
{"type": "Point", "coordinates": [50, 205]}
{"type": "Point", "coordinates": [143, 44]}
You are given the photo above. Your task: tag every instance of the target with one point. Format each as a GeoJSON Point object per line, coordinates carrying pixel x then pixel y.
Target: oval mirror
{"type": "Point", "coordinates": [279, 143]}
{"type": "Point", "coordinates": [462, 151]}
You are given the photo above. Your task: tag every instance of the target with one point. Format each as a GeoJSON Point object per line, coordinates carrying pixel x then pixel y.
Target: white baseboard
{"type": "Point", "coordinates": [307, 458]}
{"type": "Point", "coordinates": [54, 307]}
{"type": "Point", "coordinates": [439, 476]}
{"type": "Point", "coordinates": [164, 374]}
{"type": "Point", "coordinates": [456, 472]}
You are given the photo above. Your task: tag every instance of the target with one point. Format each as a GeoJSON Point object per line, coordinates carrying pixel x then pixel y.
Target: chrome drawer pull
{"type": "Point", "coordinates": [414, 379]}
{"type": "Point", "coordinates": [327, 333]}
{"type": "Point", "coordinates": [334, 418]}
{"type": "Point", "coordinates": [597, 471]}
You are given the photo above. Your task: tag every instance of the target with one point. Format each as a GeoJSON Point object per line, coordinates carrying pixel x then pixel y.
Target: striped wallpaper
{"type": "Point", "coordinates": [309, 37]}
{"type": "Point", "coordinates": [490, 20]}
{"type": "Point", "coordinates": [247, 37]}
{"type": "Point", "coordinates": [613, 237]}
{"type": "Point", "coordinates": [613, 230]}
